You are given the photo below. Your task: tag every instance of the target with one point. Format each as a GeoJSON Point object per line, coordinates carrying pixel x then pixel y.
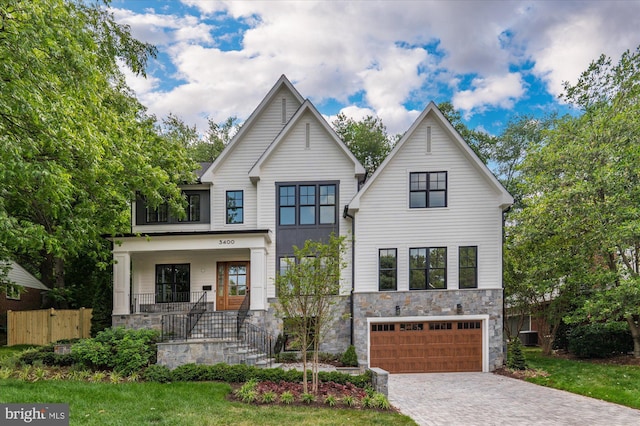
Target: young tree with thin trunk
{"type": "Point", "coordinates": [307, 288]}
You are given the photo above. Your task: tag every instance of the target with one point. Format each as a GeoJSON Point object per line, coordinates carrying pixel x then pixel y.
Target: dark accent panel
{"type": "Point", "coordinates": [205, 210]}
{"type": "Point", "coordinates": [288, 236]}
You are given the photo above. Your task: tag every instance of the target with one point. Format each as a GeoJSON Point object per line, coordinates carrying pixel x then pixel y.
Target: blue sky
{"type": "Point", "coordinates": [493, 60]}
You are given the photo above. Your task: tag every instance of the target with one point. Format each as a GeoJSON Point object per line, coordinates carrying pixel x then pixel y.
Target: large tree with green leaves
{"type": "Point", "coordinates": [76, 144]}
{"type": "Point", "coordinates": [307, 289]}
{"type": "Point", "coordinates": [583, 195]}
{"type": "Point", "coordinates": [367, 139]}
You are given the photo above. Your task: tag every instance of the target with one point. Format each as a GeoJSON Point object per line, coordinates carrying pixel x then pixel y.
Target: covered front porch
{"type": "Point", "coordinates": [174, 273]}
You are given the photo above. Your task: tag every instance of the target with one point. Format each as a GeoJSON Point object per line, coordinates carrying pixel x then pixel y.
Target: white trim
{"type": "Point", "coordinates": [483, 317]}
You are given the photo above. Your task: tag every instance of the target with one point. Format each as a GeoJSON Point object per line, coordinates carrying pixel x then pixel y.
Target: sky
{"type": "Point", "coordinates": [493, 60]}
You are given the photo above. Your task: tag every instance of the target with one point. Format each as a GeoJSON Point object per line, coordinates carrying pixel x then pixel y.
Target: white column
{"type": "Point", "coordinates": [121, 284]}
{"type": "Point", "coordinates": [258, 278]}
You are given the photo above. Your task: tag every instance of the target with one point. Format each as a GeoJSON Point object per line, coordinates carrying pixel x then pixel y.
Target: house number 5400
{"type": "Point", "coordinates": [226, 242]}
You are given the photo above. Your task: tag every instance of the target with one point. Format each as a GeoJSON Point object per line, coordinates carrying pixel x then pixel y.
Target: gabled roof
{"type": "Point", "coordinates": [282, 82]}
{"type": "Point", "coordinates": [307, 106]}
{"type": "Point", "coordinates": [506, 199]}
{"type": "Point", "coordinates": [18, 275]}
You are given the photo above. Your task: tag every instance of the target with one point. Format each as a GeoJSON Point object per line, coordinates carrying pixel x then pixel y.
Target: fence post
{"type": "Point", "coordinates": [9, 333]}
{"type": "Point", "coordinates": [81, 323]}
{"type": "Point", "coordinates": [52, 313]}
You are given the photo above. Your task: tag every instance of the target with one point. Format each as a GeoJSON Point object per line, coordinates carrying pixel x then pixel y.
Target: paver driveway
{"type": "Point", "coordinates": [490, 399]}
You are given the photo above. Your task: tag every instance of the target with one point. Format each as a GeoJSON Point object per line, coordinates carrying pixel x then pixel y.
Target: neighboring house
{"type": "Point", "coordinates": [25, 293]}
{"type": "Point", "coordinates": [286, 177]}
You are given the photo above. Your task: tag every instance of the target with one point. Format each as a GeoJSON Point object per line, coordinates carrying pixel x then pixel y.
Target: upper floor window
{"type": "Point", "coordinates": [158, 215]}
{"type": "Point", "coordinates": [388, 269]}
{"type": "Point", "coordinates": [427, 268]}
{"type": "Point", "coordinates": [427, 189]}
{"type": "Point", "coordinates": [307, 204]}
{"type": "Point", "coordinates": [235, 207]}
{"type": "Point", "coordinates": [468, 266]}
{"type": "Point", "coordinates": [192, 212]}
{"type": "Point", "coordinates": [13, 292]}
{"type": "Point", "coordinates": [287, 201]}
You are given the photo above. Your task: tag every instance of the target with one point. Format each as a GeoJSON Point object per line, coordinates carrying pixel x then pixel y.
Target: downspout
{"type": "Point", "coordinates": [345, 214]}
{"type": "Point", "coordinates": [504, 308]}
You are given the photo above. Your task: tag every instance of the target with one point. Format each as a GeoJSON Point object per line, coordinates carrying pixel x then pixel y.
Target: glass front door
{"type": "Point", "coordinates": [233, 285]}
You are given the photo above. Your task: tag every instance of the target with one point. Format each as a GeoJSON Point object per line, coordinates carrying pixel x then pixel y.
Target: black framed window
{"type": "Point", "coordinates": [387, 269]}
{"type": "Point", "coordinates": [427, 268]}
{"type": "Point", "coordinates": [307, 205]}
{"type": "Point", "coordinates": [158, 215]}
{"type": "Point", "coordinates": [173, 283]}
{"type": "Point", "coordinates": [327, 204]}
{"type": "Point", "coordinates": [193, 208]}
{"type": "Point", "coordinates": [468, 266]}
{"type": "Point", "coordinates": [235, 207]}
{"type": "Point", "coordinates": [287, 203]}
{"type": "Point", "coordinates": [427, 189]}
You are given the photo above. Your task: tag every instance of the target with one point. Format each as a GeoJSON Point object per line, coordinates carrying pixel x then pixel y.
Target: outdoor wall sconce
{"type": "Point", "coordinates": [459, 308]}
{"type": "Point", "coordinates": [397, 310]}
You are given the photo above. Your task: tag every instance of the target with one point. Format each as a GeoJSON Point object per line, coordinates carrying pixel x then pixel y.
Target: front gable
{"type": "Point", "coordinates": [308, 143]}
{"type": "Point", "coordinates": [433, 145]}
{"type": "Point", "coordinates": [262, 126]}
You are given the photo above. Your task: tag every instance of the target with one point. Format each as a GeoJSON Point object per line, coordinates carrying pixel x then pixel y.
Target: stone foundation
{"type": "Point", "coordinates": [430, 303]}
{"type": "Point", "coordinates": [151, 321]}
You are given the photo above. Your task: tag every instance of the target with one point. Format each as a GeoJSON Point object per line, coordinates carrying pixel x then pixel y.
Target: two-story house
{"type": "Point", "coordinates": [423, 281]}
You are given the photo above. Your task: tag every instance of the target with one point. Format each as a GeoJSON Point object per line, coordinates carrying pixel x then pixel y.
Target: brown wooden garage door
{"type": "Point", "coordinates": [426, 347]}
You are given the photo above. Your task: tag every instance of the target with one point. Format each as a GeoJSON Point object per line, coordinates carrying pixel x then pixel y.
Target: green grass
{"type": "Point", "coordinates": [176, 404]}
{"type": "Point", "coordinates": [614, 383]}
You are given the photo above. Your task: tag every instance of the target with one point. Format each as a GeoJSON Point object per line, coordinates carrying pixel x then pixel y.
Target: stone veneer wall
{"type": "Point", "coordinates": [430, 303]}
{"type": "Point", "coordinates": [338, 334]}
{"type": "Point", "coordinates": [151, 321]}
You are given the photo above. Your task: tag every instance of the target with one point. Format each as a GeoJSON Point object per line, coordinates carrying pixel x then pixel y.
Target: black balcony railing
{"type": "Point", "coordinates": [196, 313]}
{"type": "Point", "coordinates": [168, 302]}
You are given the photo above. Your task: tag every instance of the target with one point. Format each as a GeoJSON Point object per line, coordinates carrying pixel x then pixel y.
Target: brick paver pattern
{"type": "Point", "coordinates": [486, 399]}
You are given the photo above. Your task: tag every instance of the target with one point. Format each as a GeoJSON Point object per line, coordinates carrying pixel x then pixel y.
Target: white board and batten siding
{"type": "Point", "coordinates": [293, 161]}
{"type": "Point", "coordinates": [472, 217]}
{"type": "Point", "coordinates": [232, 174]}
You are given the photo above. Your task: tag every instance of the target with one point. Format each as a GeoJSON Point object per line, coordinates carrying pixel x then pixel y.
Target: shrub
{"type": "Point", "coordinates": [349, 401]}
{"type": "Point", "coordinates": [307, 398]}
{"type": "Point", "coordinates": [600, 340]}
{"type": "Point", "coordinates": [515, 356]}
{"type": "Point", "coordinates": [287, 397]}
{"type": "Point", "coordinates": [349, 358]}
{"type": "Point", "coordinates": [157, 373]}
{"type": "Point", "coordinates": [330, 401]}
{"type": "Point", "coordinates": [380, 401]}
{"type": "Point", "coordinates": [268, 397]}
{"type": "Point", "coordinates": [191, 373]}
{"type": "Point", "coordinates": [287, 357]}
{"type": "Point", "coordinates": [119, 349]}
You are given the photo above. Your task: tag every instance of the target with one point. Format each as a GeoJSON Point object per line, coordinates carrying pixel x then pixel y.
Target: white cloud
{"type": "Point", "coordinates": [502, 91]}
{"type": "Point", "coordinates": [335, 50]}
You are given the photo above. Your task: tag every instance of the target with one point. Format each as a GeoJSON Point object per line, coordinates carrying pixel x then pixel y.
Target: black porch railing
{"type": "Point", "coordinates": [196, 313]}
{"type": "Point", "coordinates": [260, 340]}
{"type": "Point", "coordinates": [210, 325]}
{"type": "Point", "coordinates": [170, 302]}
{"type": "Point", "coordinates": [244, 310]}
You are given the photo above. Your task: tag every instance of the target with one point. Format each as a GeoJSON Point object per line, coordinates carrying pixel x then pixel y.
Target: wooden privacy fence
{"type": "Point", "coordinates": [45, 326]}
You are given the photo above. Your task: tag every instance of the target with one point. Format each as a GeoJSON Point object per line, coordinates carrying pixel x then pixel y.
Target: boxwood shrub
{"type": "Point", "coordinates": [600, 340]}
{"type": "Point", "coordinates": [242, 373]}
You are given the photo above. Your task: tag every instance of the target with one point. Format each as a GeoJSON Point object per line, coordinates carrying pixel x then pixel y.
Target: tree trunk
{"type": "Point", "coordinates": [634, 326]}
{"type": "Point", "coordinates": [58, 274]}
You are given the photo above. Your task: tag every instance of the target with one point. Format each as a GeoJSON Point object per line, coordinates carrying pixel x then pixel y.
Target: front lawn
{"type": "Point", "coordinates": [614, 383]}
{"type": "Point", "coordinates": [180, 403]}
